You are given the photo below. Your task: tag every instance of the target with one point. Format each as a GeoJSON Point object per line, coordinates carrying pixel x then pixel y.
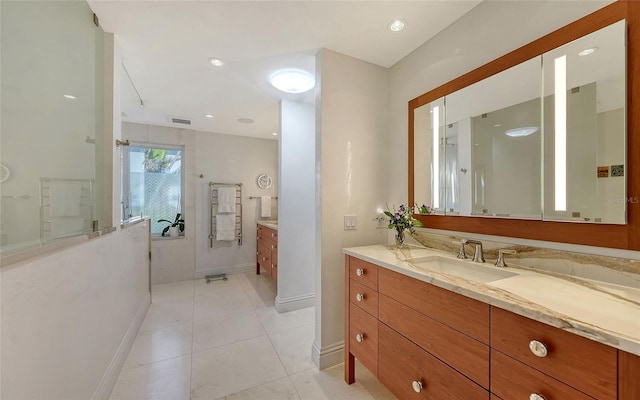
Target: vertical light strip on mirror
{"type": "Point", "coordinates": [560, 83]}
{"type": "Point", "coordinates": [435, 120]}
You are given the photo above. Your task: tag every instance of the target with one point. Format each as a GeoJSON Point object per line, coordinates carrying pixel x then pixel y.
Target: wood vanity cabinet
{"type": "Point", "coordinates": [267, 250]}
{"type": "Point", "coordinates": [422, 341]}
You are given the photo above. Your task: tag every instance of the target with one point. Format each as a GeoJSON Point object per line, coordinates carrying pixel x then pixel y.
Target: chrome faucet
{"type": "Point", "coordinates": [478, 256]}
{"type": "Point", "coordinates": [500, 262]}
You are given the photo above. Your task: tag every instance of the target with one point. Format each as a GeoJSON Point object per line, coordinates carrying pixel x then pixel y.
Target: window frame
{"type": "Point", "coordinates": [125, 185]}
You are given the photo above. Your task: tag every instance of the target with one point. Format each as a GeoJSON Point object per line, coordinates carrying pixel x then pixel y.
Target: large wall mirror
{"type": "Point", "coordinates": [508, 147]}
{"type": "Point", "coordinates": [539, 138]}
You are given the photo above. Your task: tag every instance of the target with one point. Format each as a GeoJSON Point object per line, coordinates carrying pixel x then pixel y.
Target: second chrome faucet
{"type": "Point", "coordinates": [478, 256]}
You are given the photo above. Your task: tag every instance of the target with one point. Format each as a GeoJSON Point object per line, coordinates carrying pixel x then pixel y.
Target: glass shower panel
{"type": "Point", "coordinates": [51, 124]}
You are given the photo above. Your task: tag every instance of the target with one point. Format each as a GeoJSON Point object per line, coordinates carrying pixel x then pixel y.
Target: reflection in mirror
{"type": "Point", "coordinates": [494, 143]}
{"type": "Point", "coordinates": [584, 129]}
{"type": "Point", "coordinates": [430, 172]}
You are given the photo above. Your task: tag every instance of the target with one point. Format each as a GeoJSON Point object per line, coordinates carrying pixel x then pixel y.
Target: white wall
{"type": "Point", "coordinates": [351, 128]}
{"type": "Point", "coordinates": [70, 317]}
{"type": "Point", "coordinates": [297, 219]}
{"type": "Point", "coordinates": [235, 159]}
{"type": "Point", "coordinates": [219, 158]}
{"type": "Point", "coordinates": [488, 31]}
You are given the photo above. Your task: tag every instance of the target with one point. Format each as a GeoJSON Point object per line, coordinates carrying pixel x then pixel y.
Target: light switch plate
{"type": "Point", "coordinates": [350, 222]}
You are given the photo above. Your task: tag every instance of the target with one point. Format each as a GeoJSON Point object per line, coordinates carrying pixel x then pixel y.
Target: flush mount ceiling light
{"type": "Point", "coordinates": [292, 80]}
{"type": "Point", "coordinates": [520, 132]}
{"type": "Point", "coordinates": [245, 120]}
{"type": "Point", "coordinates": [588, 51]}
{"type": "Point", "coordinates": [397, 25]}
{"type": "Point", "coordinates": [70, 96]}
{"type": "Point", "coordinates": [216, 62]}
{"type": "Point", "coordinates": [274, 133]}
{"type": "Point", "coordinates": [208, 115]}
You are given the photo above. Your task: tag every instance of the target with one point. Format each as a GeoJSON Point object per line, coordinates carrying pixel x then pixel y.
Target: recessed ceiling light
{"type": "Point", "coordinates": [245, 120]}
{"type": "Point", "coordinates": [292, 80]}
{"type": "Point", "coordinates": [588, 51]}
{"type": "Point", "coordinates": [274, 133]}
{"type": "Point", "coordinates": [208, 115]}
{"type": "Point", "coordinates": [216, 62]}
{"type": "Point", "coordinates": [70, 96]}
{"type": "Point", "coordinates": [397, 25]}
{"type": "Point", "coordinates": [520, 132]}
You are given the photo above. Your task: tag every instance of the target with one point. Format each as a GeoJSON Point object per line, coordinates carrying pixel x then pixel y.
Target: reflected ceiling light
{"type": "Point", "coordinates": [245, 120]}
{"type": "Point", "coordinates": [70, 96]}
{"type": "Point", "coordinates": [435, 124]}
{"type": "Point", "coordinates": [216, 62]}
{"type": "Point", "coordinates": [560, 88]}
{"type": "Point", "coordinates": [588, 51]}
{"type": "Point", "coordinates": [274, 133]}
{"type": "Point", "coordinates": [292, 80]}
{"type": "Point", "coordinates": [520, 132]}
{"type": "Point", "coordinates": [208, 115]}
{"type": "Point", "coordinates": [397, 25]}
{"type": "Point", "coordinates": [497, 125]}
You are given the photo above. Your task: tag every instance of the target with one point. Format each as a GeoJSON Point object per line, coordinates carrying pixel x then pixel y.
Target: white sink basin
{"type": "Point", "coordinates": [465, 269]}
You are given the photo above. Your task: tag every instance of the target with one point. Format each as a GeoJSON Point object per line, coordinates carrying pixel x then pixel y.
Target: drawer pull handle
{"type": "Point", "coordinates": [359, 296]}
{"type": "Point", "coordinates": [538, 348]}
{"type": "Point", "coordinates": [417, 386]}
{"type": "Point", "coordinates": [359, 337]}
{"type": "Point", "coordinates": [359, 271]}
{"type": "Point", "coordinates": [536, 396]}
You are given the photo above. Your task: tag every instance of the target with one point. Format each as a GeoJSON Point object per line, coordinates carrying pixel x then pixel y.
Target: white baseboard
{"type": "Point", "coordinates": [238, 269]}
{"type": "Point", "coordinates": [103, 391]}
{"type": "Point", "coordinates": [294, 303]}
{"type": "Point", "coordinates": [328, 356]}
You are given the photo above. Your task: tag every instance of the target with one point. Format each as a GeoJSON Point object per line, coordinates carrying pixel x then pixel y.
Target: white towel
{"type": "Point", "coordinates": [62, 227]}
{"type": "Point", "coordinates": [227, 199]}
{"type": "Point", "coordinates": [225, 227]}
{"type": "Point", "coordinates": [265, 206]}
{"type": "Point", "coordinates": [64, 199]}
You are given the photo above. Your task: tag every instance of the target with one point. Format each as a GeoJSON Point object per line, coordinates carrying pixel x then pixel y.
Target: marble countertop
{"type": "Point", "coordinates": [601, 311]}
{"type": "Point", "coordinates": [269, 224]}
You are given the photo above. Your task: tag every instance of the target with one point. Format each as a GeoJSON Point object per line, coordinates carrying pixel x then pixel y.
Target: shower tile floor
{"type": "Point", "coordinates": [225, 340]}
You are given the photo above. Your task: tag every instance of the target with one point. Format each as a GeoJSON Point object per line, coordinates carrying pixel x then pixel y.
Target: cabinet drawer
{"type": "Point", "coordinates": [264, 257]}
{"type": "Point", "coordinates": [511, 379]}
{"type": "Point", "coordinates": [469, 316]}
{"type": "Point", "coordinates": [365, 347]}
{"type": "Point", "coordinates": [363, 272]}
{"type": "Point", "coordinates": [579, 362]}
{"type": "Point", "coordinates": [364, 297]}
{"type": "Point", "coordinates": [268, 233]}
{"type": "Point", "coordinates": [465, 354]}
{"type": "Point", "coordinates": [270, 244]}
{"type": "Point", "coordinates": [402, 363]}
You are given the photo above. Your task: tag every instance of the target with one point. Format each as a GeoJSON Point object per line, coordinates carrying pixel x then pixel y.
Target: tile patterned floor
{"type": "Point", "coordinates": [225, 340]}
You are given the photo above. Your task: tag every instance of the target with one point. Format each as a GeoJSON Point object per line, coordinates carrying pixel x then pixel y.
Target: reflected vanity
{"type": "Point", "coordinates": [542, 140]}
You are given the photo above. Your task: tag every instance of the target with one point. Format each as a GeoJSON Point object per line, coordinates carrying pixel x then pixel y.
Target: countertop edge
{"type": "Point", "coordinates": [268, 225]}
{"type": "Point", "coordinates": [496, 297]}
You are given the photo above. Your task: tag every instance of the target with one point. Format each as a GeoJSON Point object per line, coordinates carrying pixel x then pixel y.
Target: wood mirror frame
{"type": "Point", "coordinates": [601, 235]}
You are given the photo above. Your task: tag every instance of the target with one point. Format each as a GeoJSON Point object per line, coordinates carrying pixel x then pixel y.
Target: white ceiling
{"type": "Point", "coordinates": [166, 46]}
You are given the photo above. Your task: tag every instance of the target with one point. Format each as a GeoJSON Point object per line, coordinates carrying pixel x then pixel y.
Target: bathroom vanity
{"type": "Point", "coordinates": [267, 248]}
{"type": "Point", "coordinates": [431, 326]}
